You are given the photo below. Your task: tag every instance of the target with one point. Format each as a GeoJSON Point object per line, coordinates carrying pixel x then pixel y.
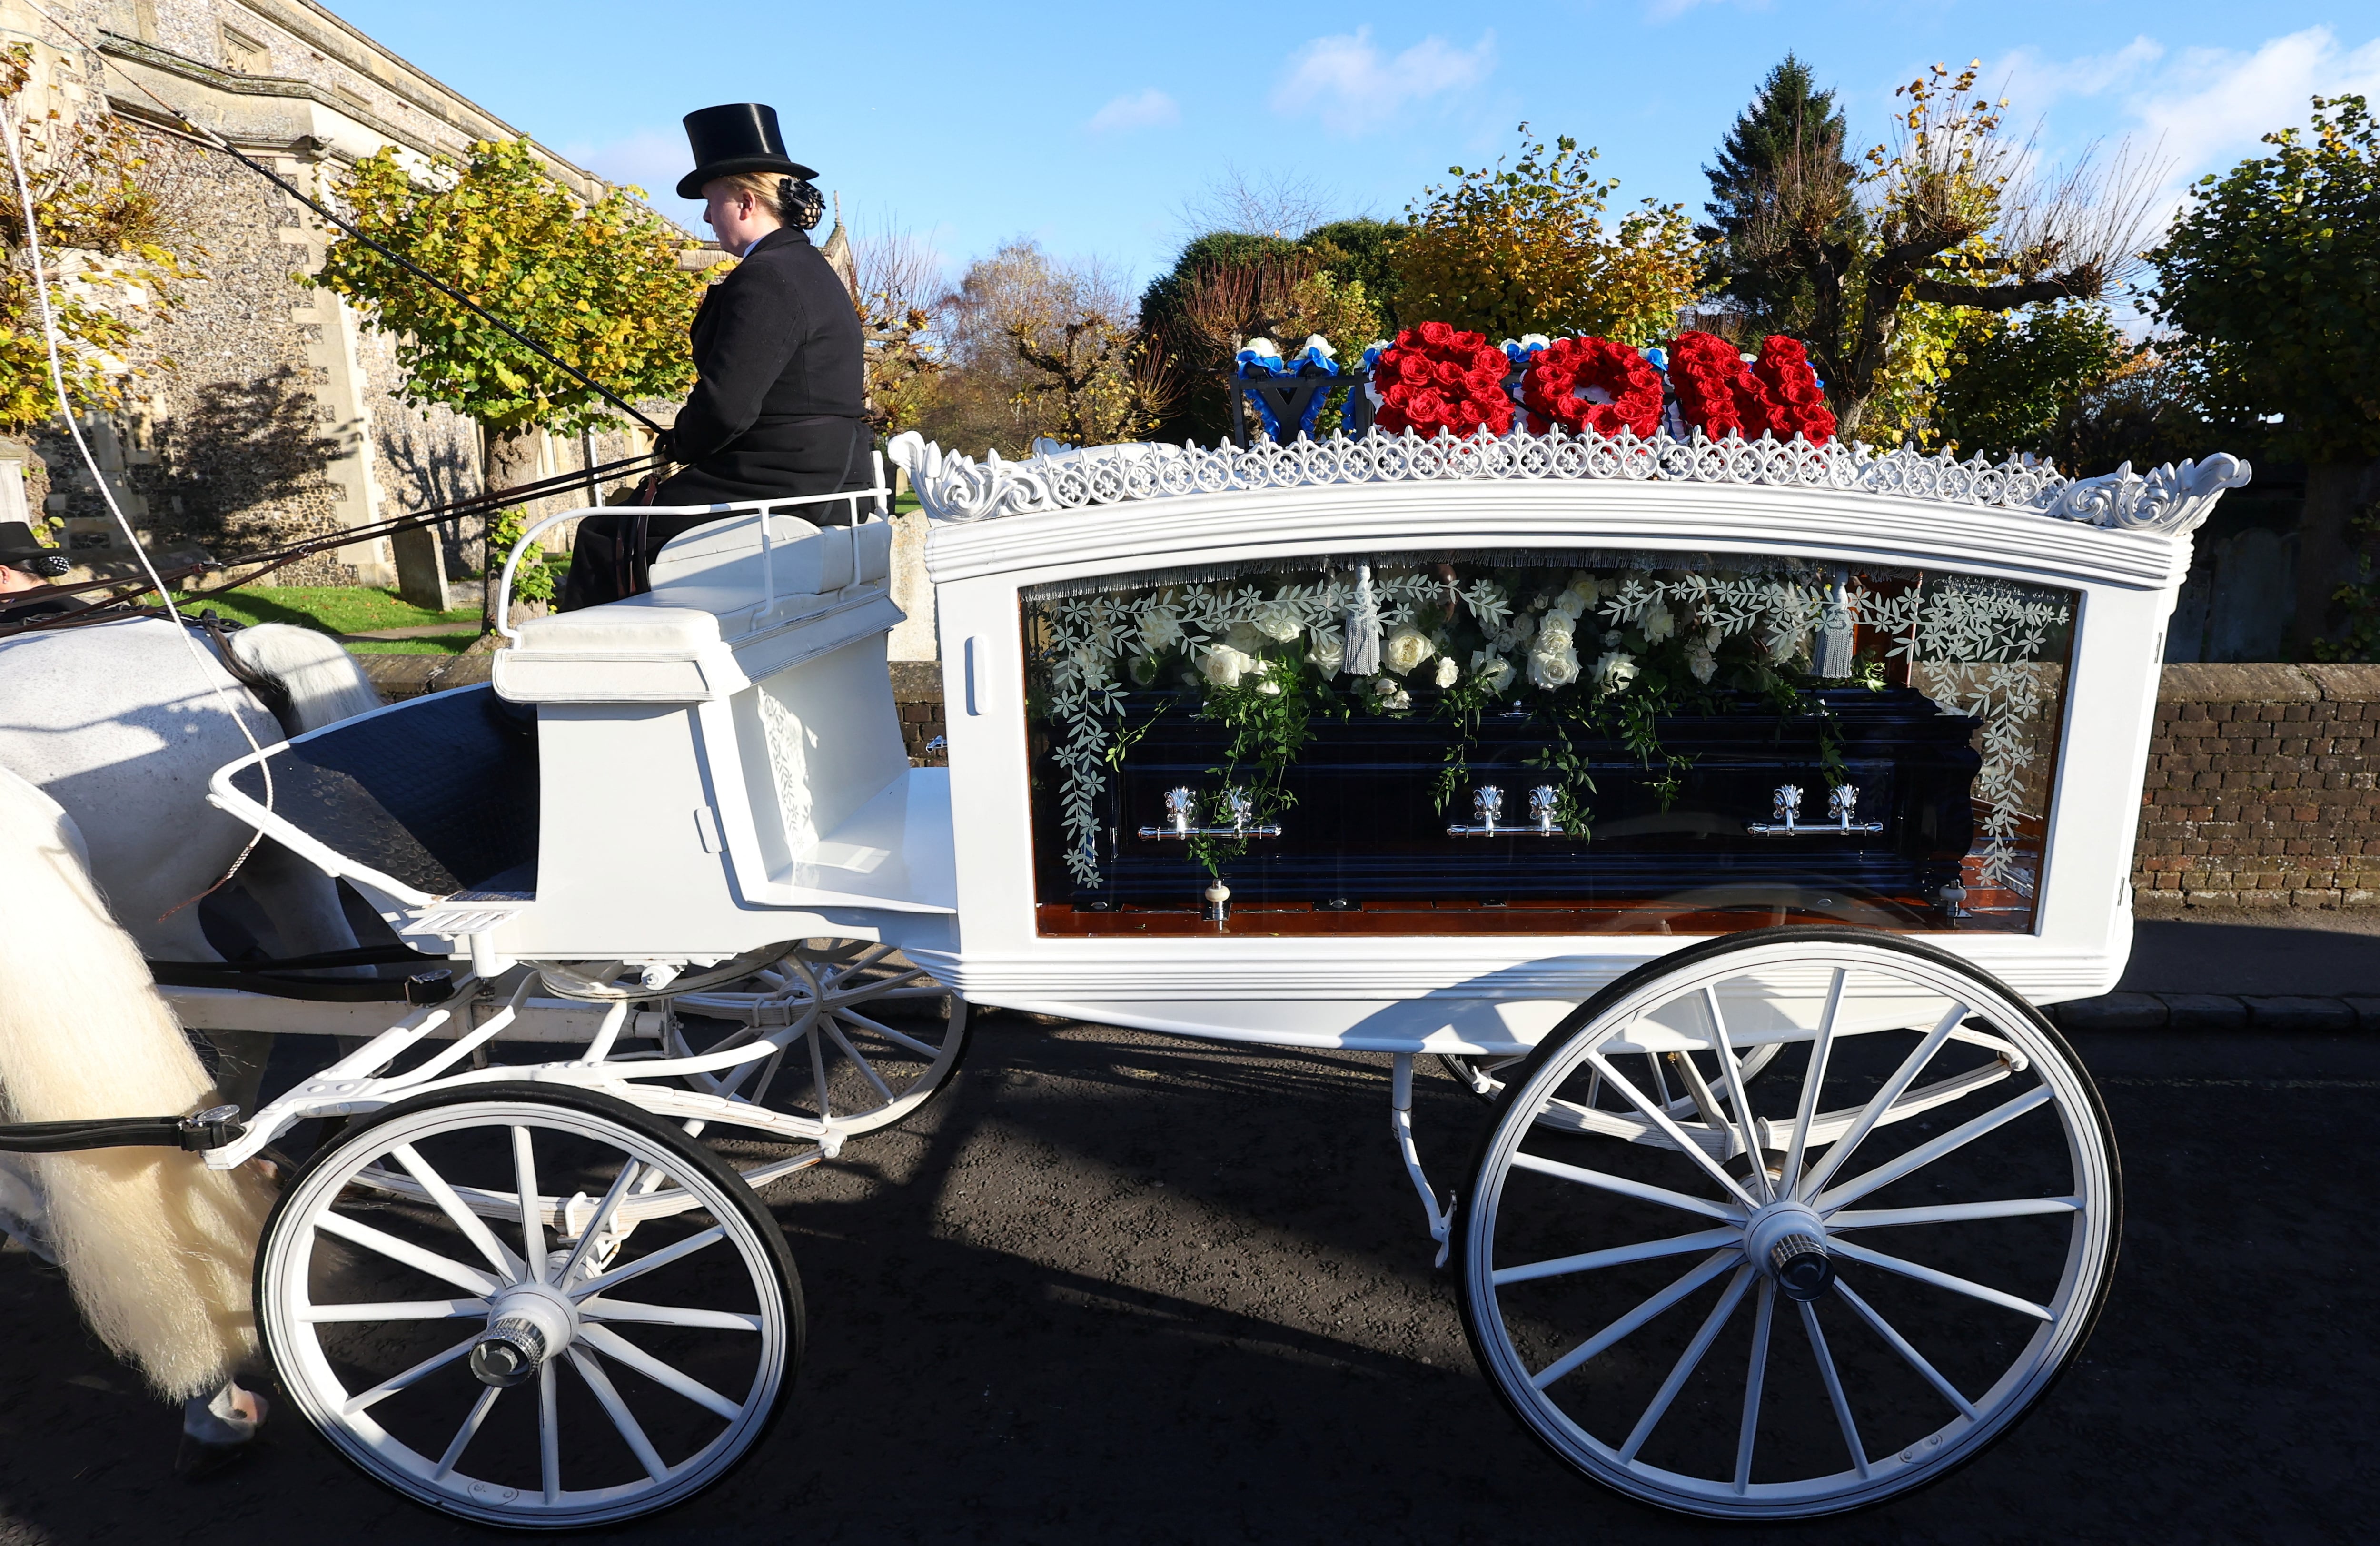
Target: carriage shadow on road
{"type": "Point", "coordinates": [1116, 1286]}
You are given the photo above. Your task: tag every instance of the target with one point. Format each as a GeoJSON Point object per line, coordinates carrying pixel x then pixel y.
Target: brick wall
{"type": "Point", "coordinates": [918, 688]}
{"type": "Point", "coordinates": [2260, 789]}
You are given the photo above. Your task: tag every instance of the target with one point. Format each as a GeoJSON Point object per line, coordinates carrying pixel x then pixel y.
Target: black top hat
{"type": "Point", "coordinates": [19, 550]}
{"type": "Point", "coordinates": [740, 137]}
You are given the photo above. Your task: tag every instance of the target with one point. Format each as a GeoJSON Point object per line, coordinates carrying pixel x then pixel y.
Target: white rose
{"type": "Point", "coordinates": [1448, 672]}
{"type": "Point", "coordinates": [1392, 696]}
{"type": "Point", "coordinates": [1523, 629]}
{"type": "Point", "coordinates": [1244, 638]}
{"type": "Point", "coordinates": [1553, 668]}
{"type": "Point", "coordinates": [1570, 603]}
{"type": "Point", "coordinates": [1658, 624]}
{"type": "Point", "coordinates": [1224, 665]}
{"type": "Point", "coordinates": [1159, 631]}
{"type": "Point", "coordinates": [1587, 585]}
{"type": "Point", "coordinates": [1710, 640]}
{"type": "Point", "coordinates": [1405, 649]}
{"type": "Point", "coordinates": [1492, 672]}
{"type": "Point", "coordinates": [1265, 683]}
{"type": "Point", "coordinates": [1556, 633]}
{"type": "Point", "coordinates": [1329, 652]}
{"type": "Point", "coordinates": [1279, 621]}
{"type": "Point", "coordinates": [1091, 664]}
{"type": "Point", "coordinates": [1615, 671]}
{"type": "Point", "coordinates": [1702, 663]}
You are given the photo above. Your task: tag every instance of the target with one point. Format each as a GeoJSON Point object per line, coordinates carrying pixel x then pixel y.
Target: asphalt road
{"type": "Point", "coordinates": [1113, 1287]}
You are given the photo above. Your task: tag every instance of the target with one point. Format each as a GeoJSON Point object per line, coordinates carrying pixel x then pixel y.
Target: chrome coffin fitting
{"type": "Point", "coordinates": [1181, 803]}
{"type": "Point", "coordinates": [1841, 805]}
{"type": "Point", "coordinates": [1487, 812]}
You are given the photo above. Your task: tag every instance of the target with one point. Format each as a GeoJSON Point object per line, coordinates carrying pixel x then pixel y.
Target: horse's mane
{"type": "Point", "coordinates": [324, 681]}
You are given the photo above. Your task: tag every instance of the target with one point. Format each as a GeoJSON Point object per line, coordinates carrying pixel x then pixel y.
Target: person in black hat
{"type": "Point", "coordinates": [26, 569]}
{"type": "Point", "coordinates": [779, 405]}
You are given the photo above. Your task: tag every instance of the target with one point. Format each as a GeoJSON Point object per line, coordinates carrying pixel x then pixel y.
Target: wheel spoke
{"type": "Point", "coordinates": [1950, 1212]}
{"type": "Point", "coordinates": [923, 1049]}
{"type": "Point", "coordinates": [1834, 1387]}
{"type": "Point", "coordinates": [1755, 1377]}
{"type": "Point", "coordinates": [470, 1279]}
{"type": "Point", "coordinates": [644, 1264]}
{"type": "Point", "coordinates": [1926, 1154]}
{"type": "Point", "coordinates": [1620, 1184]}
{"type": "Point", "coordinates": [399, 1309]}
{"type": "Point", "coordinates": [1661, 1119]}
{"type": "Point", "coordinates": [525, 1188]}
{"type": "Point", "coordinates": [1676, 1245]}
{"type": "Point", "coordinates": [894, 986]}
{"type": "Point", "coordinates": [1939, 1279]}
{"type": "Point", "coordinates": [619, 1349]}
{"type": "Point", "coordinates": [1748, 1135]}
{"type": "Point", "coordinates": [549, 1433]}
{"type": "Point", "coordinates": [1911, 1066]}
{"type": "Point", "coordinates": [867, 1069]}
{"type": "Point", "coordinates": [474, 1228]}
{"type": "Point", "coordinates": [1687, 1360]}
{"type": "Point", "coordinates": [1711, 1267]}
{"type": "Point", "coordinates": [1821, 1048]}
{"type": "Point", "coordinates": [818, 1068]}
{"type": "Point", "coordinates": [601, 1308]}
{"type": "Point", "coordinates": [1915, 1359]}
{"type": "Point", "coordinates": [602, 1221]}
{"type": "Point", "coordinates": [617, 1410]}
{"type": "Point", "coordinates": [464, 1434]}
{"type": "Point", "coordinates": [397, 1383]}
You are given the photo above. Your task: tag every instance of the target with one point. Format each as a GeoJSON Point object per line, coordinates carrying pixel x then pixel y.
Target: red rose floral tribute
{"type": "Point", "coordinates": [1778, 394]}
{"type": "Point", "coordinates": [1436, 377]}
{"type": "Point", "coordinates": [1592, 383]}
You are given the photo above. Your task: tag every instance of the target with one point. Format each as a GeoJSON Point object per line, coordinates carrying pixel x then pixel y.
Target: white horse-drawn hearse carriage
{"type": "Point", "coordinates": [1723, 812]}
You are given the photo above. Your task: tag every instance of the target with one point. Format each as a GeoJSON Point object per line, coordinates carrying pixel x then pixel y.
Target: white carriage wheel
{"type": "Point", "coordinates": [485, 1367]}
{"type": "Point", "coordinates": [884, 1040]}
{"type": "Point", "coordinates": [1920, 1252]}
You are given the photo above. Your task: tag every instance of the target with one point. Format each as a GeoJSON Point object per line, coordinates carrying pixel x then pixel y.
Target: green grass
{"type": "Point", "coordinates": [449, 644]}
{"type": "Point", "coordinates": [336, 609]}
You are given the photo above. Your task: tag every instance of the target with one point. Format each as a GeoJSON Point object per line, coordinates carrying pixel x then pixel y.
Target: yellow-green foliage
{"type": "Point", "coordinates": [86, 201]}
{"type": "Point", "coordinates": [1527, 249]}
{"type": "Point", "coordinates": [599, 286]}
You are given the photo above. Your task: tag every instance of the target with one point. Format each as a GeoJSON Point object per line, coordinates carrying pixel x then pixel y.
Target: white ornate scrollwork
{"type": "Point", "coordinates": [2169, 499]}
{"type": "Point", "coordinates": [957, 488]}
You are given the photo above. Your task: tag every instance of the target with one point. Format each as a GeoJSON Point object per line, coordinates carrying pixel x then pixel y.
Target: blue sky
{"type": "Point", "coordinates": [1090, 126]}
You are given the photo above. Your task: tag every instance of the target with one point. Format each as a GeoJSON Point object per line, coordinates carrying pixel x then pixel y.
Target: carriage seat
{"type": "Point", "coordinates": [731, 602]}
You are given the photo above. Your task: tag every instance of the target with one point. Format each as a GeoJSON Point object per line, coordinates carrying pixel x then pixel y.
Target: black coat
{"type": "Point", "coordinates": [778, 407]}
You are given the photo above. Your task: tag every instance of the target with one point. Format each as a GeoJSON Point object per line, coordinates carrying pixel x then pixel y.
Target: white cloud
{"type": "Point", "coordinates": [2216, 103]}
{"type": "Point", "coordinates": [1346, 82]}
{"type": "Point", "coordinates": [2032, 82]}
{"type": "Point", "coordinates": [1149, 109]}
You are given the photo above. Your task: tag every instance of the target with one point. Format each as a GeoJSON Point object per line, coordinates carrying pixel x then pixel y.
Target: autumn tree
{"type": "Point", "coordinates": [2014, 380]}
{"type": "Point", "coordinates": [1947, 213]}
{"type": "Point", "coordinates": [1526, 249]}
{"type": "Point", "coordinates": [2272, 272]}
{"type": "Point", "coordinates": [107, 241]}
{"type": "Point", "coordinates": [597, 285]}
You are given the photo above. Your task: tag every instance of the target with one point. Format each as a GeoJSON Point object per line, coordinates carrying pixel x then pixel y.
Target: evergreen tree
{"type": "Point", "coordinates": [1788, 143]}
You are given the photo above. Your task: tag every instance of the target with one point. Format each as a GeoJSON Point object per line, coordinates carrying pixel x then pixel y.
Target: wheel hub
{"type": "Point", "coordinates": [527, 1324]}
{"type": "Point", "coordinates": [1788, 1241]}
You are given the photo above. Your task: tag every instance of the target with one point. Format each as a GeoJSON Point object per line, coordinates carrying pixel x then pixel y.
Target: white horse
{"type": "Point", "coordinates": [111, 733]}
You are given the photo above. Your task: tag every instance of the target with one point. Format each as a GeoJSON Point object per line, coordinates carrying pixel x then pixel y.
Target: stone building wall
{"type": "Point", "coordinates": [265, 410]}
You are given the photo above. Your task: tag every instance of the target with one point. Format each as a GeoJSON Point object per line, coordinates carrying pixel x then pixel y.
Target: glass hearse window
{"type": "Point", "coordinates": [1541, 741]}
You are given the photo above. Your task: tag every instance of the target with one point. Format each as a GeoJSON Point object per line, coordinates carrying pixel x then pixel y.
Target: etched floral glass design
{"type": "Point", "coordinates": [1650, 699]}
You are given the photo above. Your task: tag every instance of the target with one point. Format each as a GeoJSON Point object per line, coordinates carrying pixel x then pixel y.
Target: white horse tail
{"type": "Point", "coordinates": [157, 1247]}
{"type": "Point", "coordinates": [324, 683]}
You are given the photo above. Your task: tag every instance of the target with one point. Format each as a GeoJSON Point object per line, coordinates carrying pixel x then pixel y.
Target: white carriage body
{"type": "Point", "coordinates": [721, 765]}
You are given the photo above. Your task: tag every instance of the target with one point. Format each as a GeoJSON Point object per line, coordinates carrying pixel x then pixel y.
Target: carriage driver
{"type": "Point", "coordinates": [26, 569]}
{"type": "Point", "coordinates": [778, 406]}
